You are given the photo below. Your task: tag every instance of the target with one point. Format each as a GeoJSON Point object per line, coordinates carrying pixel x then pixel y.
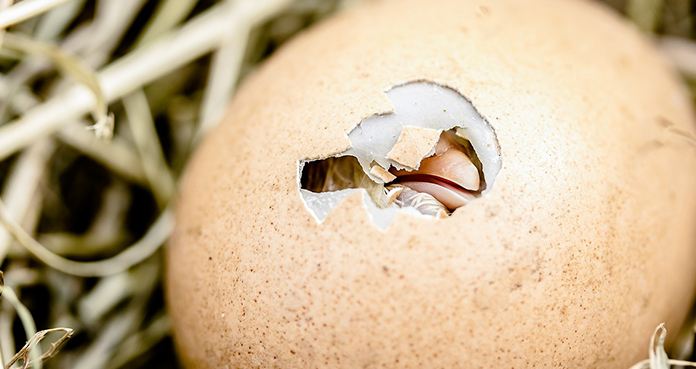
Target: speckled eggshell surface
{"type": "Point", "coordinates": [581, 248]}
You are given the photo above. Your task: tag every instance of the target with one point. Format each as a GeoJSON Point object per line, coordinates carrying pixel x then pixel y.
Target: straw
{"type": "Point", "coordinates": [25, 10]}
{"type": "Point", "coordinates": [132, 255]}
{"type": "Point", "coordinates": [85, 218]}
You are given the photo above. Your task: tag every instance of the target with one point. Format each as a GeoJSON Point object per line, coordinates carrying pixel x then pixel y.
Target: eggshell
{"type": "Point", "coordinates": [413, 144]}
{"type": "Point", "coordinates": [584, 244]}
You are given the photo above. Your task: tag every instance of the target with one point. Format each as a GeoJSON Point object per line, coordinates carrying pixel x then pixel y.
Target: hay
{"type": "Point", "coordinates": [84, 218]}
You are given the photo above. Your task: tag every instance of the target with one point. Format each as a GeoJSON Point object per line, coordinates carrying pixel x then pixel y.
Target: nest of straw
{"type": "Point", "coordinates": [101, 105]}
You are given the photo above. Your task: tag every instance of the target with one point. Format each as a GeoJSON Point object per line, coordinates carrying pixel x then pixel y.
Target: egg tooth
{"type": "Point", "coordinates": [393, 193]}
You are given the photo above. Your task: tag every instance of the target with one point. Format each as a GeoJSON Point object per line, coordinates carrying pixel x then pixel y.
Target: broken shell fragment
{"type": "Point", "coordinates": [382, 174]}
{"type": "Point", "coordinates": [414, 144]}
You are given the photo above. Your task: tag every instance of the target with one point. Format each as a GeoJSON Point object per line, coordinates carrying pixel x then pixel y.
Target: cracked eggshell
{"type": "Point", "coordinates": [581, 248]}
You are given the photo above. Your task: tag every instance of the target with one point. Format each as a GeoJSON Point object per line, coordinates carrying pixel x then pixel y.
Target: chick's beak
{"type": "Point", "coordinates": [450, 176]}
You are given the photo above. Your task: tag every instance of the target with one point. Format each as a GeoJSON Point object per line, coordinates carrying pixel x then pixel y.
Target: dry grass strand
{"type": "Point", "coordinates": [132, 255]}
{"type": "Point", "coordinates": [30, 346]}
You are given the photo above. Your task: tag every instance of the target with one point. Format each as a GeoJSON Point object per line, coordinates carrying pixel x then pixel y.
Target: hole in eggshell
{"type": "Point", "coordinates": [444, 181]}
{"type": "Point", "coordinates": [432, 155]}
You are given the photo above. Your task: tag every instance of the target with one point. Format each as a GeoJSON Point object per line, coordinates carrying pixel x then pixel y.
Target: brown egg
{"type": "Point", "coordinates": [578, 242]}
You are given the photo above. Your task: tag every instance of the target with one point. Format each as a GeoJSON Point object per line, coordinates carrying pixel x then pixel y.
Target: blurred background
{"type": "Point", "coordinates": [86, 212]}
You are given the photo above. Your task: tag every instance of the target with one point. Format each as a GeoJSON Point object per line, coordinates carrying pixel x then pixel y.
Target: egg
{"type": "Point", "coordinates": [442, 184]}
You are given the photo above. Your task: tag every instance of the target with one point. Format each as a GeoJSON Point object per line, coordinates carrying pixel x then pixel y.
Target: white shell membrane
{"type": "Point", "coordinates": [419, 104]}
